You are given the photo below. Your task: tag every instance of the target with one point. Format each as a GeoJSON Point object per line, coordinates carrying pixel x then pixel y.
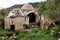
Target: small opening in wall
{"type": "Point", "coordinates": [50, 26]}
{"type": "Point", "coordinates": [57, 22]}
{"type": "Point", "coordinates": [12, 27]}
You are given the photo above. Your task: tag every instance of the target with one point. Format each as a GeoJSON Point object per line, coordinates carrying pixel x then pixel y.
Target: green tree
{"type": "Point", "coordinates": [3, 12]}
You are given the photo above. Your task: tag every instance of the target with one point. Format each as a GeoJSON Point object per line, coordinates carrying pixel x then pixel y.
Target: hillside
{"type": "Point", "coordinates": [20, 5]}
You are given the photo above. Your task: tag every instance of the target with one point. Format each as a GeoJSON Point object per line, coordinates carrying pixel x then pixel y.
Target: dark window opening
{"type": "Point", "coordinates": [12, 27]}
{"type": "Point", "coordinates": [52, 25]}
{"type": "Point", "coordinates": [32, 17]}
{"type": "Point", "coordinates": [57, 22]}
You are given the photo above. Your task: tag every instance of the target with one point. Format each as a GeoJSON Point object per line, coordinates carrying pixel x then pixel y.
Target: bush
{"type": "Point", "coordinates": [1, 22]}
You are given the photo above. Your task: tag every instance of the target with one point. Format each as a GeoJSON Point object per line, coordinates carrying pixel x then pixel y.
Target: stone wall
{"type": "Point", "coordinates": [17, 22]}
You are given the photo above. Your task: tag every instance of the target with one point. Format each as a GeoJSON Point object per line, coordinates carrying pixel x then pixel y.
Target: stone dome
{"type": "Point", "coordinates": [27, 7]}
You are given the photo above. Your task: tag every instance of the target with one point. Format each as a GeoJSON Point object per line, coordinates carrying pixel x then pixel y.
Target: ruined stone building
{"type": "Point", "coordinates": [27, 17]}
{"type": "Point", "coordinates": [21, 18]}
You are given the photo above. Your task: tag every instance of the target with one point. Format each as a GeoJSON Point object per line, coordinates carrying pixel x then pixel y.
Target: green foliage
{"type": "Point", "coordinates": [5, 32]}
{"type": "Point", "coordinates": [49, 8]}
{"type": "Point", "coordinates": [1, 38]}
{"type": "Point", "coordinates": [1, 21]}
{"type": "Point", "coordinates": [1, 17]}
{"type": "Point", "coordinates": [3, 12]}
{"type": "Point", "coordinates": [36, 35]}
{"type": "Point", "coordinates": [54, 31]}
{"type": "Point", "coordinates": [41, 8]}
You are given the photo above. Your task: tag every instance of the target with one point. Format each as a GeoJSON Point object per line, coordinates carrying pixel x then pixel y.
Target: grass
{"type": "Point", "coordinates": [33, 35]}
{"type": "Point", "coordinates": [36, 35]}
{"type": "Point", "coordinates": [51, 34]}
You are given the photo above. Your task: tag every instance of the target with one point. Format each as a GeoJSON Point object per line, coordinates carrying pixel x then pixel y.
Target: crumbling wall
{"type": "Point", "coordinates": [17, 22]}
{"type": "Point", "coordinates": [20, 19]}
{"type": "Point", "coordinates": [45, 22]}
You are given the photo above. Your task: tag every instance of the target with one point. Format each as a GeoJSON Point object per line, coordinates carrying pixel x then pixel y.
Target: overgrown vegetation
{"type": "Point", "coordinates": [51, 8]}
{"type": "Point", "coordinates": [36, 35]}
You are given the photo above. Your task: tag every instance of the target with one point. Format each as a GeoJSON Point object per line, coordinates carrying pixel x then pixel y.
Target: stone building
{"type": "Point", "coordinates": [21, 18]}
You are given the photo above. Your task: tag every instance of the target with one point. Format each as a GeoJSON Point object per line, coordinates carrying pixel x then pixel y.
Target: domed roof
{"type": "Point", "coordinates": [16, 12]}
{"type": "Point", "coordinates": [27, 7]}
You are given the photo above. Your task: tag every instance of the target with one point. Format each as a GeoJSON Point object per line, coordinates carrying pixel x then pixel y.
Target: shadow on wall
{"type": "Point", "coordinates": [52, 25]}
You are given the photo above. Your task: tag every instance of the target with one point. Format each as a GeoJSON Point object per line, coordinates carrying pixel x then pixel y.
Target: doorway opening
{"type": "Point", "coordinates": [32, 17]}
{"type": "Point", "coordinates": [12, 27]}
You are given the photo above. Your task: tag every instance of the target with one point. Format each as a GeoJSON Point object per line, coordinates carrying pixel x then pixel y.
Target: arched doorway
{"type": "Point", "coordinates": [32, 17]}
